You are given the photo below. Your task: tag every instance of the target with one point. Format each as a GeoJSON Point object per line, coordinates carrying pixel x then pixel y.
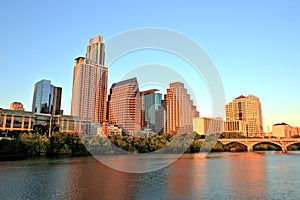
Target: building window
{"type": "Point", "coordinates": [240, 105]}
{"type": "Point", "coordinates": [240, 116]}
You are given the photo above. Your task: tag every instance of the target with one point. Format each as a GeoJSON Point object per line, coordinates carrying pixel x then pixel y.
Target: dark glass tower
{"type": "Point", "coordinates": [46, 98]}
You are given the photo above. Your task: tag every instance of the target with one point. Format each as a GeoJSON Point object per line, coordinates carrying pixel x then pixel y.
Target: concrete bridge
{"type": "Point", "coordinates": [251, 142]}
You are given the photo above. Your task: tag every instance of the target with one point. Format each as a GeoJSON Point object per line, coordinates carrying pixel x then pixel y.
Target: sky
{"type": "Point", "coordinates": [255, 46]}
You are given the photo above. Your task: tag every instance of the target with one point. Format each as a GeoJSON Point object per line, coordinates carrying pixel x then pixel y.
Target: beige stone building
{"type": "Point", "coordinates": [207, 125]}
{"type": "Point", "coordinates": [244, 116]}
{"type": "Point", "coordinates": [283, 130]}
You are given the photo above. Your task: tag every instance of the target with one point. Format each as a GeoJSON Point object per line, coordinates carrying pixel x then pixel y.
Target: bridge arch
{"type": "Point", "coordinates": [237, 142]}
{"type": "Point", "coordinates": [292, 143]}
{"type": "Point", "coordinates": [252, 145]}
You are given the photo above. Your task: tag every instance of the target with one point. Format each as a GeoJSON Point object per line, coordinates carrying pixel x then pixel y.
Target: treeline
{"type": "Point", "coordinates": [36, 144]}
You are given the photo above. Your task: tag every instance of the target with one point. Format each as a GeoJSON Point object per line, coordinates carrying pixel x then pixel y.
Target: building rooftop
{"type": "Point", "coordinates": [279, 124]}
{"type": "Point", "coordinates": [241, 97]}
{"type": "Point", "coordinates": [128, 81]}
{"type": "Point", "coordinates": [149, 91]}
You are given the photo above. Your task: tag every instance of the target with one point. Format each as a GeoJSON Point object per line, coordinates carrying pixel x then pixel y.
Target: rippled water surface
{"type": "Point", "coordinates": [264, 175]}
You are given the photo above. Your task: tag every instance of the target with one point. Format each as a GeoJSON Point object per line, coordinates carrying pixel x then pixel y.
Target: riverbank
{"type": "Point", "coordinates": [30, 145]}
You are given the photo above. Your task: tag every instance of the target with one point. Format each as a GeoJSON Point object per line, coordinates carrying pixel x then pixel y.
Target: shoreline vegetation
{"type": "Point", "coordinates": [31, 145]}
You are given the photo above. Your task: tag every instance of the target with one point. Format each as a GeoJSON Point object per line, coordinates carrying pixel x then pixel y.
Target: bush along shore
{"type": "Point", "coordinates": [36, 145]}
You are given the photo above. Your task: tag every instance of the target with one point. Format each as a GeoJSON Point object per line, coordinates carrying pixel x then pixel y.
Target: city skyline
{"type": "Point", "coordinates": [255, 54]}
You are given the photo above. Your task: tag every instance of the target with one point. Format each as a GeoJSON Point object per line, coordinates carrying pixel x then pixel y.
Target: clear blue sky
{"type": "Point", "coordinates": [255, 45]}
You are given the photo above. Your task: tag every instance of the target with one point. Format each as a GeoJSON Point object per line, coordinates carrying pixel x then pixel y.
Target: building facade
{"type": "Point", "coordinates": [150, 103]}
{"type": "Point", "coordinates": [244, 116]}
{"type": "Point", "coordinates": [161, 118]}
{"type": "Point", "coordinates": [180, 109]}
{"type": "Point", "coordinates": [46, 98]}
{"type": "Point", "coordinates": [124, 106]}
{"type": "Point", "coordinates": [207, 126]}
{"type": "Point", "coordinates": [90, 79]}
{"type": "Point", "coordinates": [283, 130]}
{"type": "Point", "coordinates": [18, 120]}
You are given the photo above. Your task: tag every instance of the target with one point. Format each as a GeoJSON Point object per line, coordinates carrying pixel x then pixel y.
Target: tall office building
{"type": "Point", "coordinates": [150, 103]}
{"type": "Point", "coordinates": [90, 83]}
{"type": "Point", "coordinates": [244, 116]}
{"type": "Point", "coordinates": [46, 98]}
{"type": "Point", "coordinates": [180, 109]}
{"type": "Point", "coordinates": [124, 106]}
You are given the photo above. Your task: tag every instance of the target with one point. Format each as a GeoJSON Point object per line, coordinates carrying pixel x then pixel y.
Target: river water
{"type": "Point", "coordinates": [251, 175]}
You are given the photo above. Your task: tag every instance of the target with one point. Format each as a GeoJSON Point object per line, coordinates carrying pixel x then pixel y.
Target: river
{"type": "Point", "coordinates": [249, 175]}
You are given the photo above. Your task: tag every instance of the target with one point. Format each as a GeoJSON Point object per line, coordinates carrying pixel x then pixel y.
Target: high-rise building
{"type": "Point", "coordinates": [90, 84]}
{"type": "Point", "coordinates": [46, 98]}
{"type": "Point", "coordinates": [150, 103]}
{"type": "Point", "coordinates": [16, 106]}
{"type": "Point", "coordinates": [124, 106]}
{"type": "Point", "coordinates": [244, 116]}
{"type": "Point", "coordinates": [180, 109]}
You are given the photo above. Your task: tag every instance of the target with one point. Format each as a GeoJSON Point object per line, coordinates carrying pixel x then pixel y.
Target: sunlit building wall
{"type": "Point", "coordinates": [247, 112]}
{"type": "Point", "coordinates": [90, 79]}
{"type": "Point", "coordinates": [207, 125]}
{"type": "Point", "coordinates": [283, 130]}
{"type": "Point", "coordinates": [124, 106]}
{"type": "Point", "coordinates": [180, 109]}
{"type": "Point", "coordinates": [17, 120]}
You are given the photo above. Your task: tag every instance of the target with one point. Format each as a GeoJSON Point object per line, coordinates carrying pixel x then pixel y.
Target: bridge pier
{"type": "Point", "coordinates": [249, 148]}
{"type": "Point", "coordinates": [284, 149]}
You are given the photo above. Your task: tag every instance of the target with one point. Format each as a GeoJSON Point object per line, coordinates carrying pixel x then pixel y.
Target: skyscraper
{"type": "Point", "coordinates": [244, 116]}
{"type": "Point", "coordinates": [180, 109]}
{"type": "Point", "coordinates": [46, 98]}
{"type": "Point", "coordinates": [124, 106]}
{"type": "Point", "coordinates": [90, 83]}
{"type": "Point", "coordinates": [150, 103]}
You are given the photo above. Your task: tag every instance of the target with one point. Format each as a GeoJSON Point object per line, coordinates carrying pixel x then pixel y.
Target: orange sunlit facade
{"type": "Point", "coordinates": [124, 106]}
{"type": "Point", "coordinates": [180, 109]}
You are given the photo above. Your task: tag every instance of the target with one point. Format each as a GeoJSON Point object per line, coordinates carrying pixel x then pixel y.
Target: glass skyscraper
{"type": "Point", "coordinates": [46, 98]}
{"type": "Point", "coordinates": [150, 103]}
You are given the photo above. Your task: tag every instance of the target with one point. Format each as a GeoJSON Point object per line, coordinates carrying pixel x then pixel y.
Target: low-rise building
{"type": "Point", "coordinates": [18, 120]}
{"type": "Point", "coordinates": [283, 130]}
{"type": "Point", "coordinates": [207, 125]}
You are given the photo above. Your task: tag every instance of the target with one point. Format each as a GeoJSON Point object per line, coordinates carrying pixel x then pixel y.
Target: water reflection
{"type": "Point", "coordinates": [247, 175]}
{"type": "Point", "coordinates": [217, 176]}
{"type": "Point", "coordinates": [89, 179]}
